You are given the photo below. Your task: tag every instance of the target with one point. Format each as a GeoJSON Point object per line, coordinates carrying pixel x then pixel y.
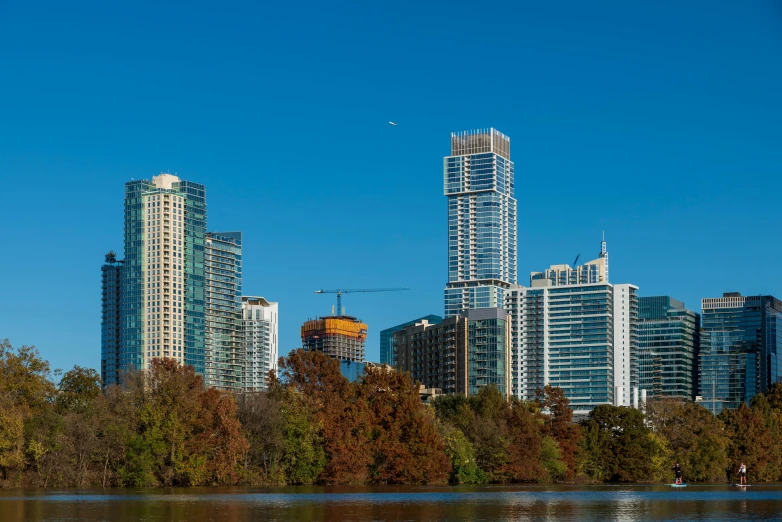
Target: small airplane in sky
{"type": "Point", "coordinates": [393, 124]}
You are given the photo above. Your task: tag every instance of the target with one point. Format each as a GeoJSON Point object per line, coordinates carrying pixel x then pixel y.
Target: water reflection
{"type": "Point", "coordinates": [390, 503]}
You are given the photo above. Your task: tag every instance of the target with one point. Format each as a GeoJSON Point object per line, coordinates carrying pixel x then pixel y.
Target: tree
{"type": "Point", "coordinates": [558, 424]}
{"type": "Point", "coordinates": [617, 445]}
{"type": "Point", "coordinates": [262, 423]}
{"type": "Point", "coordinates": [405, 445]}
{"type": "Point", "coordinates": [696, 438]}
{"type": "Point", "coordinates": [464, 467]}
{"type": "Point", "coordinates": [78, 389]}
{"type": "Point", "coordinates": [304, 457]}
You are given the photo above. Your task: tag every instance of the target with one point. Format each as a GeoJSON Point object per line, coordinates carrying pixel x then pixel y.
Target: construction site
{"type": "Point", "coordinates": [342, 337]}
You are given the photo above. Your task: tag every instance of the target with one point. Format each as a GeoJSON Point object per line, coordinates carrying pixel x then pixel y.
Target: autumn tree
{"type": "Point", "coordinates": [697, 438]}
{"type": "Point", "coordinates": [558, 425]}
{"type": "Point", "coordinates": [405, 444]}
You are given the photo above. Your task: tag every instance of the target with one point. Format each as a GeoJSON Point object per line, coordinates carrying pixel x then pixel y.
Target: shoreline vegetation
{"type": "Point", "coordinates": [313, 426]}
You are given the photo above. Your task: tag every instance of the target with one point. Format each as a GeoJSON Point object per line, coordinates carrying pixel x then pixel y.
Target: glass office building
{"type": "Point", "coordinates": [741, 340]}
{"type": "Point", "coordinates": [224, 357]}
{"type": "Point", "coordinates": [111, 320]}
{"type": "Point", "coordinates": [387, 337]}
{"type": "Point", "coordinates": [479, 184]}
{"type": "Point", "coordinates": [163, 273]}
{"type": "Point", "coordinates": [668, 344]}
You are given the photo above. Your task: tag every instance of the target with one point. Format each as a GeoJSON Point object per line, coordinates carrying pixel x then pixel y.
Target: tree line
{"type": "Point", "coordinates": [313, 426]}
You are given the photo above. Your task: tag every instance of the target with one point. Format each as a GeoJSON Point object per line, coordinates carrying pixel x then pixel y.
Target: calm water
{"type": "Point", "coordinates": [403, 503]}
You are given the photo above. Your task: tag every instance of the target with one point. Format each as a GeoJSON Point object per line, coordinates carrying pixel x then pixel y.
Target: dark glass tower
{"type": "Point", "coordinates": [111, 320]}
{"type": "Point", "coordinates": [740, 343]}
{"type": "Point", "coordinates": [668, 344]}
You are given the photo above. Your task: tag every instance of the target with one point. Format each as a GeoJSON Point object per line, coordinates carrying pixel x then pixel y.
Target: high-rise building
{"type": "Point", "coordinates": [482, 249]}
{"type": "Point", "coordinates": [668, 343]}
{"type": "Point", "coordinates": [261, 348]}
{"type": "Point", "coordinates": [741, 339]}
{"type": "Point", "coordinates": [163, 274]}
{"type": "Point", "coordinates": [224, 353]}
{"type": "Point", "coordinates": [459, 355]}
{"type": "Point", "coordinates": [595, 271]}
{"type": "Point", "coordinates": [341, 336]}
{"type": "Point", "coordinates": [387, 337]}
{"type": "Point", "coordinates": [111, 320]}
{"type": "Point", "coordinates": [581, 337]}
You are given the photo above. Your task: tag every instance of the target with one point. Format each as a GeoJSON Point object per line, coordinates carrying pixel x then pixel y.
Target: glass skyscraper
{"type": "Point", "coordinates": [668, 344]}
{"type": "Point", "coordinates": [478, 179]}
{"type": "Point", "coordinates": [741, 340]}
{"type": "Point", "coordinates": [387, 337]}
{"type": "Point", "coordinates": [111, 320]}
{"type": "Point", "coordinates": [163, 274]}
{"type": "Point", "coordinates": [224, 354]}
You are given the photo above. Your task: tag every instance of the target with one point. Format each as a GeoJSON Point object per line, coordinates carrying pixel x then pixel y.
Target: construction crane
{"type": "Point", "coordinates": [340, 291]}
{"type": "Point", "coordinates": [575, 263]}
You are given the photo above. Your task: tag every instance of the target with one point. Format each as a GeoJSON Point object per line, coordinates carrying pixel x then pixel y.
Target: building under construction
{"type": "Point", "coordinates": [342, 337]}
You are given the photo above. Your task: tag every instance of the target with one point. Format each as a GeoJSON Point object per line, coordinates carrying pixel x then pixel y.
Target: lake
{"type": "Point", "coordinates": [474, 503]}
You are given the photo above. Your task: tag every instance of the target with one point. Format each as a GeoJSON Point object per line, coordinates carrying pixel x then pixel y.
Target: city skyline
{"type": "Point", "coordinates": [653, 146]}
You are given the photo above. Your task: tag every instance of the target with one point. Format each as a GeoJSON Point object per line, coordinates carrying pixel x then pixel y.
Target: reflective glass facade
{"type": "Point", "coordinates": [488, 350]}
{"type": "Point", "coordinates": [387, 337]}
{"type": "Point", "coordinates": [224, 354]}
{"type": "Point", "coordinates": [111, 323]}
{"type": "Point", "coordinates": [163, 275]}
{"type": "Point", "coordinates": [668, 344]}
{"type": "Point", "coordinates": [581, 338]}
{"type": "Point", "coordinates": [740, 345]}
{"type": "Point", "coordinates": [482, 249]}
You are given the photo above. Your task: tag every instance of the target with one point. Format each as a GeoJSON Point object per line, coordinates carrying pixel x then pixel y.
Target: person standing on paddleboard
{"type": "Point", "coordinates": [743, 474]}
{"type": "Point", "coordinates": [678, 471]}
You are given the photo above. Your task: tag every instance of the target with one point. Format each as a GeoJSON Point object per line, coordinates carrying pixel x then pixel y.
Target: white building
{"type": "Point", "coordinates": [259, 320]}
{"type": "Point", "coordinates": [580, 337]}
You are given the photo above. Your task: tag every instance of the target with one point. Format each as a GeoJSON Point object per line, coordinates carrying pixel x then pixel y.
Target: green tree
{"type": "Point", "coordinates": [617, 445]}
{"type": "Point", "coordinates": [304, 457]}
{"type": "Point", "coordinates": [464, 467]}
{"type": "Point", "coordinates": [78, 389]}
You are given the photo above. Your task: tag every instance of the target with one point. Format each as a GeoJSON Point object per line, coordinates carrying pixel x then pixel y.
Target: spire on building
{"type": "Point", "coordinates": [604, 254]}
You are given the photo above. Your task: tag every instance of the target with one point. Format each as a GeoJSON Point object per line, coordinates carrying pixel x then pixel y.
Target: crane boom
{"type": "Point", "coordinates": [341, 291]}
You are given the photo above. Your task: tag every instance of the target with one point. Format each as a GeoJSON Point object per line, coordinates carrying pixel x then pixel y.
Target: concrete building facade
{"type": "Point", "coordinates": [260, 336]}
{"type": "Point", "coordinates": [460, 355]}
{"type": "Point", "coordinates": [341, 336]}
{"type": "Point", "coordinates": [387, 337]}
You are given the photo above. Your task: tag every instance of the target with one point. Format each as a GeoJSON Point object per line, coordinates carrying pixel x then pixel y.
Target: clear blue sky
{"type": "Point", "coordinates": [660, 124]}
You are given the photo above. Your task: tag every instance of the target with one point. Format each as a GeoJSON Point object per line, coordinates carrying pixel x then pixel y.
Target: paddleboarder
{"type": "Point", "coordinates": [677, 469]}
{"type": "Point", "coordinates": [743, 474]}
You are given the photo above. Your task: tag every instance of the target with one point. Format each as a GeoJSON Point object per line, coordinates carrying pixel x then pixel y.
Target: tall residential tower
{"type": "Point", "coordinates": [224, 357]}
{"type": "Point", "coordinates": [482, 249]}
{"type": "Point", "coordinates": [163, 274]}
{"type": "Point", "coordinates": [261, 349]}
